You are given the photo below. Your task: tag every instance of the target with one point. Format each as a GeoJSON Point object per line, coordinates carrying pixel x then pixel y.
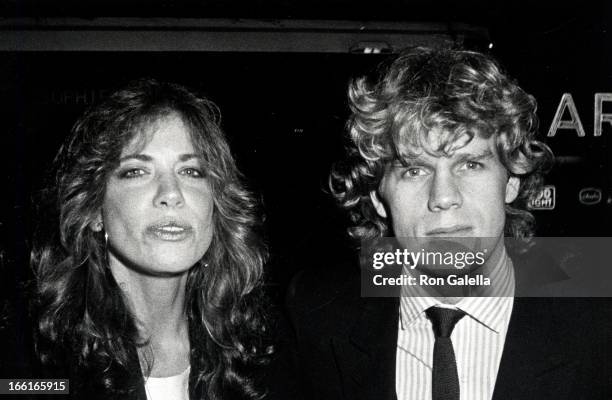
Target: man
{"type": "Point", "coordinates": [442, 145]}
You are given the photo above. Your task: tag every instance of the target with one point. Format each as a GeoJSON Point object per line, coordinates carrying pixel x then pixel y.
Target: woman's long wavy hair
{"type": "Point", "coordinates": [427, 96]}
{"type": "Point", "coordinates": [84, 317]}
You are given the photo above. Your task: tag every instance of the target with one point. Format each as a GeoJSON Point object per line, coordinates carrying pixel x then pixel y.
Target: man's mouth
{"type": "Point", "coordinates": [450, 230]}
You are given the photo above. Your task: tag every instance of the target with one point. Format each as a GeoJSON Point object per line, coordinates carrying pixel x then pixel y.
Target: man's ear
{"type": "Point", "coordinates": [512, 189]}
{"type": "Point", "coordinates": [96, 224]}
{"type": "Point", "coordinates": [378, 204]}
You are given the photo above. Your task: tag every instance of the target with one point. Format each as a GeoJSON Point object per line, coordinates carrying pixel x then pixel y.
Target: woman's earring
{"type": "Point", "coordinates": [106, 248]}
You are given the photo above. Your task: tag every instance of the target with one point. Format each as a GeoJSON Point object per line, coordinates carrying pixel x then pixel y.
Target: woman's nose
{"type": "Point", "coordinates": [169, 193]}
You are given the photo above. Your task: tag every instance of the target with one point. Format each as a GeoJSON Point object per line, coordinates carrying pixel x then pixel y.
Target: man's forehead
{"type": "Point", "coordinates": [439, 146]}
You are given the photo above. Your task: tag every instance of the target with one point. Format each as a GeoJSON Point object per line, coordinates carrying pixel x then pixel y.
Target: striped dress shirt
{"type": "Point", "coordinates": [478, 339]}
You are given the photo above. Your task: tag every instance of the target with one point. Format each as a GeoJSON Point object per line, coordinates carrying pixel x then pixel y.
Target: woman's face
{"type": "Point", "coordinates": [158, 205]}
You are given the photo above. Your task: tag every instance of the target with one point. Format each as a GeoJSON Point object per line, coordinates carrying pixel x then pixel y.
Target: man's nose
{"type": "Point", "coordinates": [169, 193]}
{"type": "Point", "coordinates": [444, 192]}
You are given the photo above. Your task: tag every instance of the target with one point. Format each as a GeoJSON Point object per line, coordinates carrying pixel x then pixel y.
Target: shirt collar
{"type": "Point", "coordinates": [489, 311]}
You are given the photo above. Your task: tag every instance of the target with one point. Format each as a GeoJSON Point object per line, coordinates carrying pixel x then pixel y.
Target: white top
{"type": "Point", "coordinates": [174, 387]}
{"type": "Point", "coordinates": [478, 340]}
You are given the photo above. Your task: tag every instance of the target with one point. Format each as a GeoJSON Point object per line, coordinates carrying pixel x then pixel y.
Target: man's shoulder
{"type": "Point", "coordinates": [323, 289]}
{"type": "Point", "coordinates": [578, 321]}
{"type": "Point", "coordinates": [320, 287]}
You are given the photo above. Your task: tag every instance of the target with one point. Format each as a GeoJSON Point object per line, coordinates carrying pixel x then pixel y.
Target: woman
{"type": "Point", "coordinates": [151, 286]}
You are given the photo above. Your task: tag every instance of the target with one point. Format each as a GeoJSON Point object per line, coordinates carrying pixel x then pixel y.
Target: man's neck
{"type": "Point", "coordinates": [494, 262]}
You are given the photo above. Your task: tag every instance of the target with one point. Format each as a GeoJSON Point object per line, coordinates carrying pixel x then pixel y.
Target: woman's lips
{"type": "Point", "coordinates": [171, 232]}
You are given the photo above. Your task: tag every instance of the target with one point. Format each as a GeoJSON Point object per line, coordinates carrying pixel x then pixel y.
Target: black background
{"type": "Point", "coordinates": [285, 112]}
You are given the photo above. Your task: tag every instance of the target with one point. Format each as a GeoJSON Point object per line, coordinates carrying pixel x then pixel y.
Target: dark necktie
{"type": "Point", "coordinates": [445, 382]}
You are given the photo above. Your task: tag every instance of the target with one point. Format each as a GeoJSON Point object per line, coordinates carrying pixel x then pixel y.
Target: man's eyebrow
{"type": "Point", "coordinates": [419, 159]}
{"type": "Point", "coordinates": [487, 153]}
{"type": "Point", "coordinates": [408, 162]}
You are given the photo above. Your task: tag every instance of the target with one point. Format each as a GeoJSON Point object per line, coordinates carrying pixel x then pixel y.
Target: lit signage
{"type": "Point", "coordinates": [544, 200]}
{"type": "Point", "coordinates": [574, 123]}
{"type": "Point", "coordinates": [590, 196]}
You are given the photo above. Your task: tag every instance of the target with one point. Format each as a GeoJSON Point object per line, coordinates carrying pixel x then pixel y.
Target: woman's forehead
{"type": "Point", "coordinates": [167, 130]}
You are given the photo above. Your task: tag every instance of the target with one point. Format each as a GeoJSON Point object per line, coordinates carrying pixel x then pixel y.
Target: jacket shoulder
{"type": "Point", "coordinates": [318, 289]}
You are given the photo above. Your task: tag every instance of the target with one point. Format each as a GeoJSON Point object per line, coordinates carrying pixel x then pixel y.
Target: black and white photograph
{"type": "Point", "coordinates": [218, 200]}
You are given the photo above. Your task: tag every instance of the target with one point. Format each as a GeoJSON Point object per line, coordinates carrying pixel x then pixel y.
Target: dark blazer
{"type": "Point", "coordinates": [346, 344]}
{"type": "Point", "coordinates": [18, 360]}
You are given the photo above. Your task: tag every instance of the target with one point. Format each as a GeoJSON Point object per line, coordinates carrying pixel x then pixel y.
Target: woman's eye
{"type": "Point", "coordinates": [131, 173]}
{"type": "Point", "coordinates": [193, 172]}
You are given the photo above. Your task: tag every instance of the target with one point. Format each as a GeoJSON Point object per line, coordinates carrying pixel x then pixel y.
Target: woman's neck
{"type": "Point", "coordinates": [158, 305]}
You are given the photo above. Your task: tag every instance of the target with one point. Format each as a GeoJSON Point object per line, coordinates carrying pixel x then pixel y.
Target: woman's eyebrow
{"type": "Point", "coordinates": [147, 158]}
{"type": "Point", "coordinates": [187, 157]}
{"type": "Point", "coordinates": [139, 157]}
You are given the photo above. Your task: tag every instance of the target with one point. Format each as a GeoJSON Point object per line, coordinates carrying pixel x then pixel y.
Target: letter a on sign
{"type": "Point", "coordinates": [600, 117]}
{"type": "Point", "coordinates": [566, 102]}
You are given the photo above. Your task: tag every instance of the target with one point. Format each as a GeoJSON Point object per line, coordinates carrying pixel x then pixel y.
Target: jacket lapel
{"type": "Point", "coordinates": [534, 364]}
{"type": "Point", "coordinates": [366, 358]}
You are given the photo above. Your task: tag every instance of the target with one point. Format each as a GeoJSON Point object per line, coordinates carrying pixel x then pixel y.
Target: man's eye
{"type": "Point", "coordinates": [192, 172]}
{"type": "Point", "coordinates": [473, 165]}
{"type": "Point", "coordinates": [412, 172]}
{"type": "Point", "coordinates": [131, 173]}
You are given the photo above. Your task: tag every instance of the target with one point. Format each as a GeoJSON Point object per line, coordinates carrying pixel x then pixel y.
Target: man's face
{"type": "Point", "coordinates": [460, 195]}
